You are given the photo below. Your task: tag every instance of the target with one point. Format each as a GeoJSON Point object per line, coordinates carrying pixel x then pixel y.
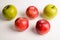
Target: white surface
{"type": "Point", "coordinates": [6, 27]}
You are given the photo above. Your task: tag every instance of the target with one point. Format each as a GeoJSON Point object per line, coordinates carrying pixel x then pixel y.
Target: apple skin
{"type": "Point", "coordinates": [42, 26]}
{"type": "Point", "coordinates": [21, 24]}
{"type": "Point", "coordinates": [9, 12]}
{"type": "Point", "coordinates": [50, 11]}
{"type": "Point", "coordinates": [32, 12]}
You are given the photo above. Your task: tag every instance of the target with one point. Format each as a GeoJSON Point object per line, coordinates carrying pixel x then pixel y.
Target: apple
{"type": "Point", "coordinates": [9, 12]}
{"type": "Point", "coordinates": [42, 26]}
{"type": "Point", "coordinates": [32, 12]}
{"type": "Point", "coordinates": [50, 11]}
{"type": "Point", "coordinates": [21, 24]}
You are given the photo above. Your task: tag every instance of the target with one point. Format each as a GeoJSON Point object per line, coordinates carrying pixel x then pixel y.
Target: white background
{"type": "Point", "coordinates": [7, 31]}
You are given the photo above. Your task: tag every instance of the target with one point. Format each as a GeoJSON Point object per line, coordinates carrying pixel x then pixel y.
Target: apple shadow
{"type": "Point", "coordinates": [41, 15]}
{"type": "Point", "coordinates": [24, 15]}
{"type": "Point", "coordinates": [1, 17]}
{"type": "Point", "coordinates": [33, 30]}
{"type": "Point", "coordinates": [12, 28]}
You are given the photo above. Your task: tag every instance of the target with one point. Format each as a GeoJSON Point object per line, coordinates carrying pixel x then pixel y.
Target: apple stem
{"type": "Point", "coordinates": [7, 7]}
{"type": "Point", "coordinates": [53, 6]}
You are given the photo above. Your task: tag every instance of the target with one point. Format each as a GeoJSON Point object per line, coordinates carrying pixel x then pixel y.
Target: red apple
{"type": "Point", "coordinates": [42, 26]}
{"type": "Point", "coordinates": [21, 24]}
{"type": "Point", "coordinates": [32, 12]}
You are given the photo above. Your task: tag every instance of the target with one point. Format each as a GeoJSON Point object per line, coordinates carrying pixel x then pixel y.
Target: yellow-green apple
{"type": "Point", "coordinates": [9, 12]}
{"type": "Point", "coordinates": [50, 11]}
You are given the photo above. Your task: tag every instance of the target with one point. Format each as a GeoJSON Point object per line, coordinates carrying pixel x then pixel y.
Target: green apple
{"type": "Point", "coordinates": [50, 11]}
{"type": "Point", "coordinates": [9, 12]}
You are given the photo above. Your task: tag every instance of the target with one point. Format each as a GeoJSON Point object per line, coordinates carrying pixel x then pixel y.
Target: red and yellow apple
{"type": "Point", "coordinates": [32, 12]}
{"type": "Point", "coordinates": [21, 24]}
{"type": "Point", "coordinates": [42, 26]}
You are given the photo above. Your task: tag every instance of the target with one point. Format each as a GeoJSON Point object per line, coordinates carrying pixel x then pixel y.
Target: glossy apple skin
{"type": "Point", "coordinates": [32, 12]}
{"type": "Point", "coordinates": [21, 24]}
{"type": "Point", "coordinates": [50, 11]}
{"type": "Point", "coordinates": [9, 12]}
{"type": "Point", "coordinates": [42, 26]}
